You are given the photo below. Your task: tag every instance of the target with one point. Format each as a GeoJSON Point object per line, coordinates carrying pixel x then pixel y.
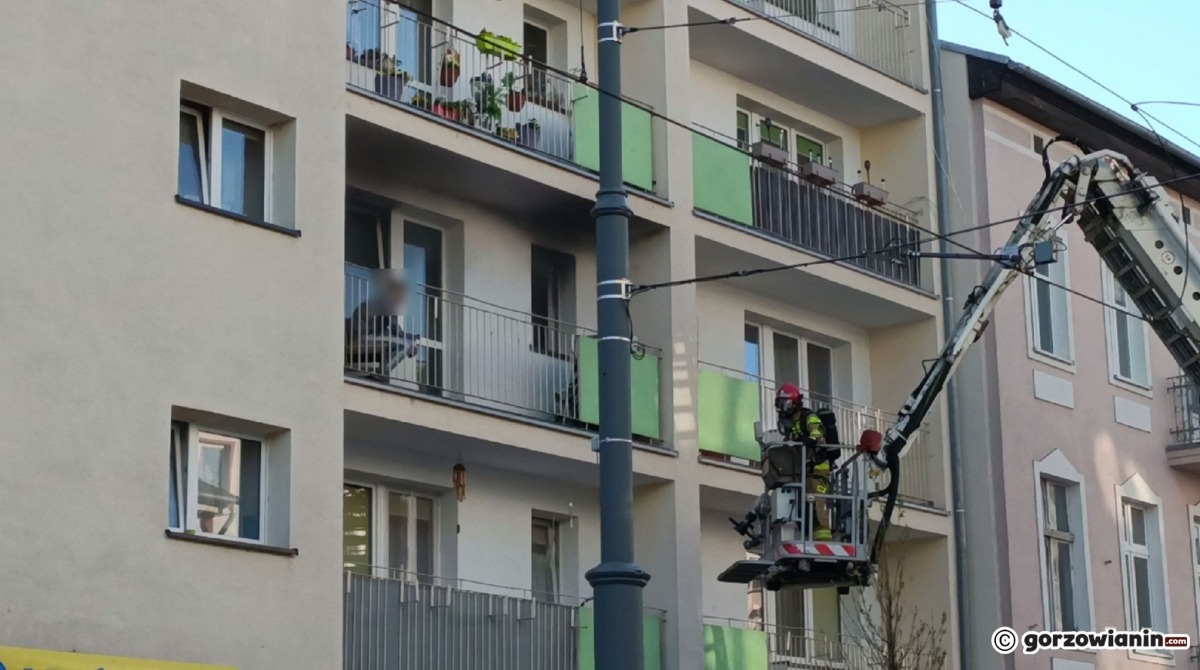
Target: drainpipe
{"type": "Point", "coordinates": [948, 320]}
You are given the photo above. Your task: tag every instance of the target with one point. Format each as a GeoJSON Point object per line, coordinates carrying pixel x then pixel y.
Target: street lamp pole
{"type": "Point", "coordinates": [617, 581]}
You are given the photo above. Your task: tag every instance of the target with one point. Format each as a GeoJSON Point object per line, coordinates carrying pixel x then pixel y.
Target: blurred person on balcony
{"type": "Point", "coordinates": [375, 337]}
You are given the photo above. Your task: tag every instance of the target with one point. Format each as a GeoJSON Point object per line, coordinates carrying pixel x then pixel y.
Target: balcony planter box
{"type": "Point", "coordinates": [869, 194]}
{"type": "Point", "coordinates": [492, 44]}
{"type": "Point", "coordinates": [769, 153]}
{"type": "Point", "coordinates": [821, 175]}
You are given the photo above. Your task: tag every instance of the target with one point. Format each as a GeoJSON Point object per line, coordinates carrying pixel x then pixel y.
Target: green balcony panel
{"type": "Point", "coordinates": [637, 139]}
{"type": "Point", "coordinates": [644, 380]}
{"type": "Point", "coordinates": [734, 649]}
{"type": "Point", "coordinates": [721, 180]}
{"type": "Point", "coordinates": [651, 640]}
{"type": "Point", "coordinates": [727, 409]}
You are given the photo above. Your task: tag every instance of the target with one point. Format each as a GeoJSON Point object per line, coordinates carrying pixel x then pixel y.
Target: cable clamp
{"type": "Point", "coordinates": [611, 31]}
{"type": "Point", "coordinates": [624, 292]}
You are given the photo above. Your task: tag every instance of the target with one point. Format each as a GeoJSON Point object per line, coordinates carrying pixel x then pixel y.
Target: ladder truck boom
{"type": "Point", "coordinates": [1126, 216]}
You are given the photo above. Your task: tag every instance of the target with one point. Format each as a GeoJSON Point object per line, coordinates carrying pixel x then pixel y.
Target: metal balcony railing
{"type": "Point", "coordinates": [829, 221]}
{"type": "Point", "coordinates": [393, 620]}
{"type": "Point", "coordinates": [486, 83]}
{"type": "Point", "coordinates": [1185, 399]}
{"type": "Point", "coordinates": [877, 33]}
{"type": "Point", "coordinates": [916, 482]}
{"type": "Point", "coordinates": [458, 348]}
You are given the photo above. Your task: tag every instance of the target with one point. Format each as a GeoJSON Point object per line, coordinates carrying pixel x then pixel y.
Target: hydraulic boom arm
{"type": "Point", "coordinates": [1127, 218]}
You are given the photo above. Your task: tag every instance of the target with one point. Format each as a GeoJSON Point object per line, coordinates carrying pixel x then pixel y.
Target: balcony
{"type": "Point", "coordinates": [730, 402]}
{"type": "Point", "coordinates": [824, 220]}
{"type": "Point", "coordinates": [458, 349]}
{"type": "Point", "coordinates": [408, 622]}
{"type": "Point", "coordinates": [1183, 452]}
{"type": "Point", "coordinates": [749, 645]}
{"type": "Point", "coordinates": [483, 84]}
{"type": "Point", "coordinates": [879, 34]}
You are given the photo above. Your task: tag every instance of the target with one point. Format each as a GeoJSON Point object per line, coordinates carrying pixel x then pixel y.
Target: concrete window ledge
{"type": "Point", "coordinates": [233, 216]}
{"type": "Point", "coordinates": [231, 544]}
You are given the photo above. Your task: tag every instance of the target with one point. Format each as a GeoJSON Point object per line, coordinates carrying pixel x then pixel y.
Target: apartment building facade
{"type": "Point", "coordinates": [212, 289]}
{"type": "Point", "coordinates": [1080, 453]}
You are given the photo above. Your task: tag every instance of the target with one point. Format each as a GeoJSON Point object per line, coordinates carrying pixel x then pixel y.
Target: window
{"type": "Point", "coordinates": [544, 554]}
{"type": "Point", "coordinates": [537, 43]}
{"type": "Point", "coordinates": [1059, 548]}
{"type": "Point", "coordinates": [784, 358]}
{"type": "Point", "coordinates": [217, 482]}
{"type": "Point", "coordinates": [808, 623]}
{"type": "Point", "coordinates": [1050, 311]}
{"type": "Point", "coordinates": [753, 128]}
{"type": "Point", "coordinates": [388, 531]}
{"type": "Point", "coordinates": [224, 162]}
{"type": "Point", "coordinates": [552, 287]}
{"type": "Point", "coordinates": [1128, 346]}
{"type": "Point", "coordinates": [1062, 523]}
{"type": "Point", "coordinates": [1143, 567]}
{"type": "Point", "coordinates": [1136, 568]}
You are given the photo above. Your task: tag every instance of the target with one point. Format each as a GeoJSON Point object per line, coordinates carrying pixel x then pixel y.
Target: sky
{"type": "Point", "coordinates": [1142, 49]}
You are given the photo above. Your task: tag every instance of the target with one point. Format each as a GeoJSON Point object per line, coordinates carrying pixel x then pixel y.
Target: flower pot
{"type": "Point", "coordinates": [447, 112]}
{"type": "Point", "coordinates": [528, 135]}
{"type": "Point", "coordinates": [509, 134]}
{"type": "Point", "coordinates": [449, 74]}
{"type": "Point", "coordinates": [516, 100]}
{"type": "Point", "coordinates": [390, 85]}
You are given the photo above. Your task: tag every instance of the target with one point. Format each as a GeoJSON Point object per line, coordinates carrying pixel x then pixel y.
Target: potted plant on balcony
{"type": "Point", "coordinates": [451, 68]}
{"type": "Point", "coordinates": [390, 81]}
{"type": "Point", "coordinates": [516, 98]}
{"type": "Point", "coordinates": [491, 44]}
{"type": "Point", "coordinates": [421, 100]}
{"type": "Point", "coordinates": [465, 110]}
{"type": "Point", "coordinates": [506, 133]}
{"type": "Point", "coordinates": [487, 101]}
{"type": "Point", "coordinates": [813, 171]}
{"type": "Point", "coordinates": [446, 110]}
{"type": "Point", "coordinates": [529, 133]}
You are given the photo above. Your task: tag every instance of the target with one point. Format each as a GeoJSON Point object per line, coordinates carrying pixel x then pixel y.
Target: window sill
{"type": "Point", "coordinates": [284, 230]}
{"type": "Point", "coordinates": [1053, 361]}
{"type": "Point", "coordinates": [231, 544]}
{"type": "Point", "coordinates": [1131, 386]}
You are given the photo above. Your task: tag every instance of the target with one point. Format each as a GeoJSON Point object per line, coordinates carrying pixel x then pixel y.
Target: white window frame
{"type": "Point", "coordinates": [1057, 468]}
{"type": "Point", "coordinates": [1110, 332]}
{"type": "Point", "coordinates": [766, 357]}
{"type": "Point", "coordinates": [202, 140]}
{"type": "Point", "coordinates": [556, 555]}
{"type": "Point", "coordinates": [379, 528]}
{"type": "Point", "coordinates": [1137, 493]}
{"type": "Point", "coordinates": [210, 155]}
{"type": "Point", "coordinates": [755, 120]}
{"type": "Point", "coordinates": [189, 523]}
{"type": "Point", "coordinates": [1066, 362]}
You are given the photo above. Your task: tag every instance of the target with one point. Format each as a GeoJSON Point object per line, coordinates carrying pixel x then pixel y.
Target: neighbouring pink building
{"type": "Point", "coordinates": [1079, 442]}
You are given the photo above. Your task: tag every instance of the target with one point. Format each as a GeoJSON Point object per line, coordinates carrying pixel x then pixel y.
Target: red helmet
{"type": "Point", "coordinates": [788, 399]}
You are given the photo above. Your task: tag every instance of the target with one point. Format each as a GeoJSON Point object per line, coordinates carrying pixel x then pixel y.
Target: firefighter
{"type": "Point", "coordinates": [798, 423]}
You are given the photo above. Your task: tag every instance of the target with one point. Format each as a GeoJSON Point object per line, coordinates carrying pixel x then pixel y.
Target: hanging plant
{"type": "Point", "coordinates": [451, 68]}
{"type": "Point", "coordinates": [516, 98]}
